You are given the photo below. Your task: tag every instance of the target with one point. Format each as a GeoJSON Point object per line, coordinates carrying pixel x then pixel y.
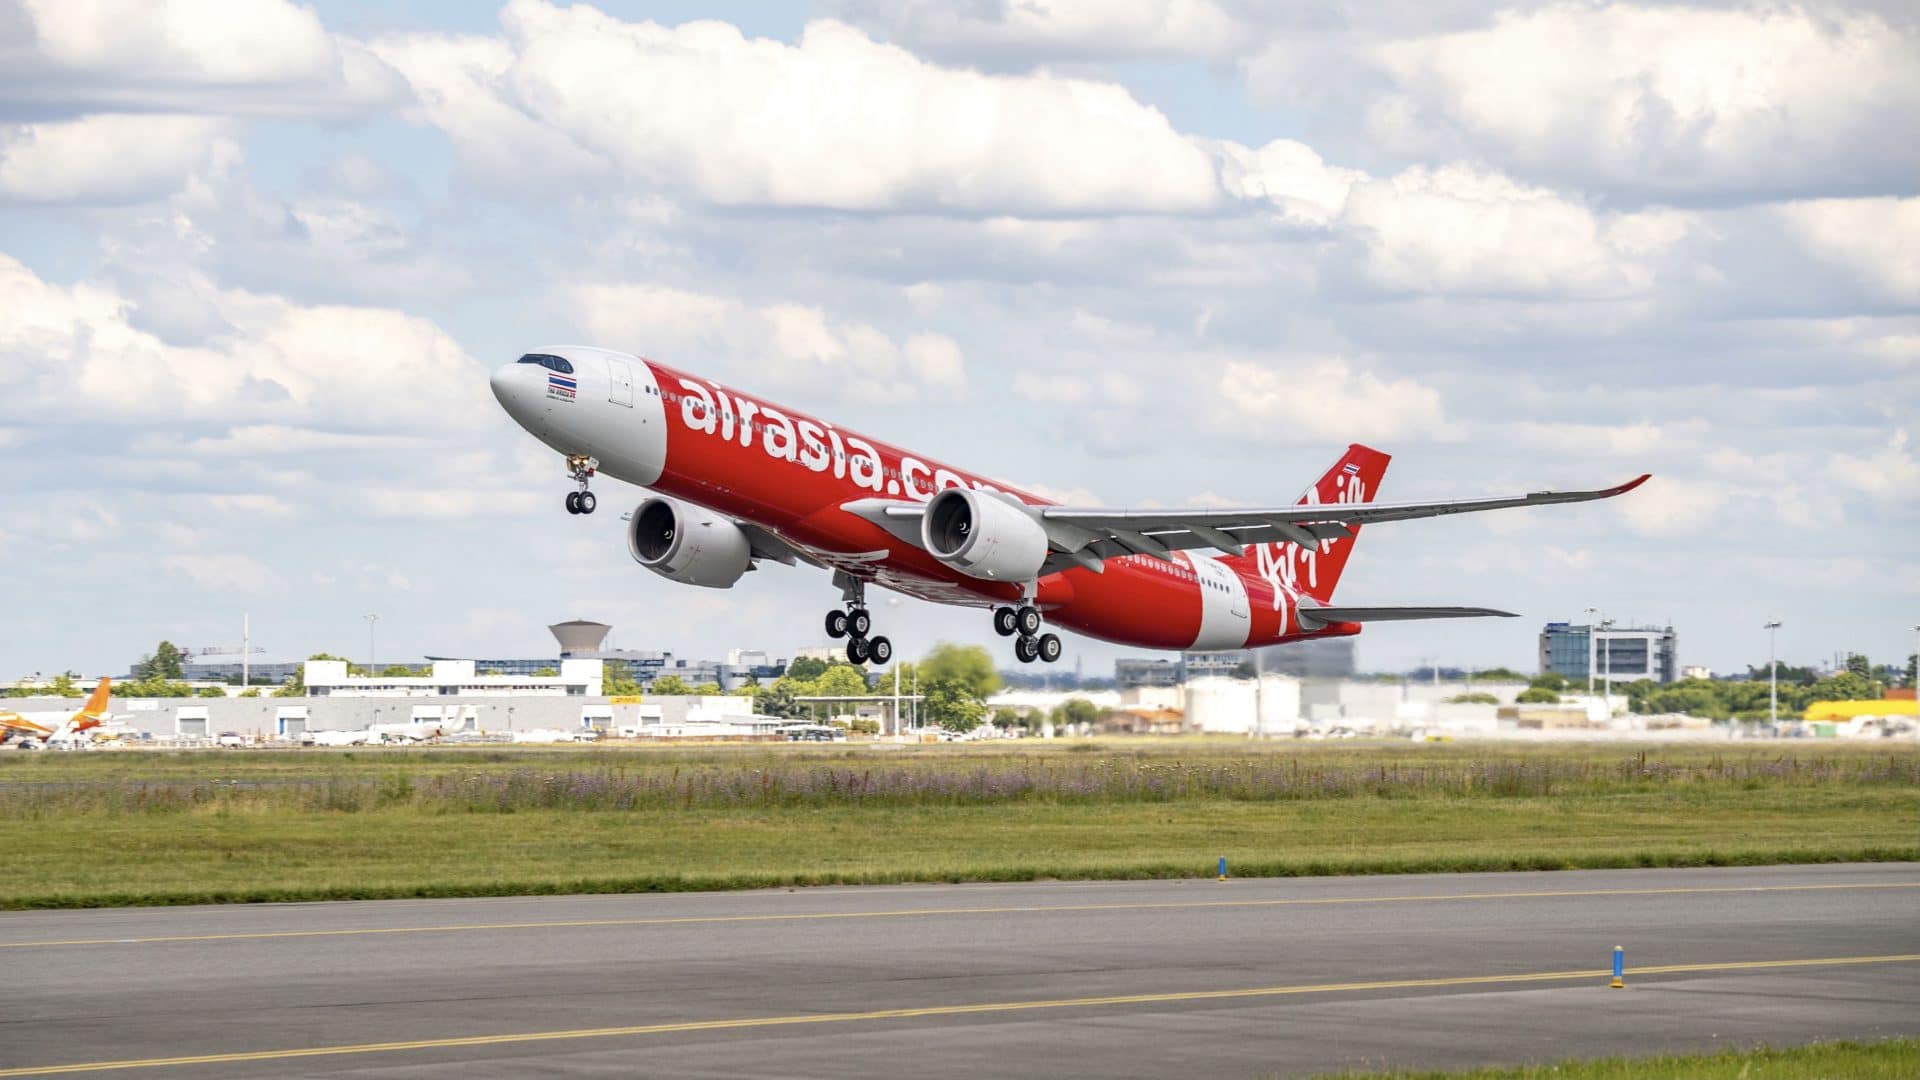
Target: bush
{"type": "Point", "coordinates": [1475, 698]}
{"type": "Point", "coordinates": [1537, 695]}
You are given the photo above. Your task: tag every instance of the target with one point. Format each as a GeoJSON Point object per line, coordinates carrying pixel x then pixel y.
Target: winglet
{"type": "Point", "coordinates": [1626, 487]}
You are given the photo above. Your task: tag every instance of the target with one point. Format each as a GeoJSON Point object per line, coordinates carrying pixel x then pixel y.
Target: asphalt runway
{"type": "Point", "coordinates": [1272, 977]}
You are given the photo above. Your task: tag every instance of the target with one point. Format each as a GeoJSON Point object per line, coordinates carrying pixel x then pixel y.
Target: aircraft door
{"type": "Point", "coordinates": [620, 385]}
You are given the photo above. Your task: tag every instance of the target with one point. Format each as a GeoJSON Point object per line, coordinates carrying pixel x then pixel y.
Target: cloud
{"type": "Point", "coordinates": [1671, 101]}
{"type": "Point", "coordinates": [1877, 241]}
{"type": "Point", "coordinates": [836, 120]}
{"type": "Point", "coordinates": [264, 57]}
{"type": "Point", "coordinates": [1460, 229]}
{"type": "Point", "coordinates": [67, 347]}
{"type": "Point", "coordinates": [109, 158]}
{"type": "Point", "coordinates": [1321, 399]}
{"type": "Point", "coordinates": [1053, 28]}
{"type": "Point", "coordinates": [225, 572]}
{"type": "Point", "coordinates": [1890, 472]}
{"type": "Point", "coordinates": [250, 506]}
{"type": "Point", "coordinates": [780, 345]}
{"type": "Point", "coordinates": [1667, 506]}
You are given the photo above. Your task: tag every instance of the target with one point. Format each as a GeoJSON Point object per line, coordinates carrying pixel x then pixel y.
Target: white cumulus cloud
{"type": "Point", "coordinates": [111, 158]}
{"type": "Point", "coordinates": [776, 345]}
{"type": "Point", "coordinates": [1323, 399]}
{"type": "Point", "coordinates": [1875, 240]}
{"type": "Point", "coordinates": [1679, 100]}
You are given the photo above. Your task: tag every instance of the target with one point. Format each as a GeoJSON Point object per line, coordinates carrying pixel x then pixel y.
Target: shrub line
{"type": "Point", "coordinates": [668, 883]}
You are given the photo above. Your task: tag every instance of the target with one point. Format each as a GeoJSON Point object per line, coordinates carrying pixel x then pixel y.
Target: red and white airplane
{"type": "Point", "coordinates": [738, 480]}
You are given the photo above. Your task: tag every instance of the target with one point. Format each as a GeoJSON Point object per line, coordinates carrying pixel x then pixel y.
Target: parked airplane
{"type": "Point", "coordinates": [737, 480]}
{"type": "Point", "coordinates": [53, 726]}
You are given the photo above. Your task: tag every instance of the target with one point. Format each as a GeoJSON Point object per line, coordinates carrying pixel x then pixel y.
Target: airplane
{"type": "Point", "coordinates": [735, 480]}
{"type": "Point", "coordinates": [45, 727]}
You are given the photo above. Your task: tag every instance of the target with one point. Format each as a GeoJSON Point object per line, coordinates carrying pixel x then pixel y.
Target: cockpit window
{"type": "Point", "coordinates": [554, 363]}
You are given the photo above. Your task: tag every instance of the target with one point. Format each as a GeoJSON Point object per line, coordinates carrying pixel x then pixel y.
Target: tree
{"type": "Point", "coordinates": [952, 705]}
{"type": "Point", "coordinates": [1538, 695]}
{"type": "Point", "coordinates": [546, 672]}
{"type": "Point", "coordinates": [402, 671]}
{"type": "Point", "coordinates": [841, 680]}
{"type": "Point", "coordinates": [1858, 664]}
{"type": "Point", "coordinates": [210, 692]}
{"type": "Point", "coordinates": [1551, 681]}
{"type": "Point", "coordinates": [251, 691]}
{"type": "Point", "coordinates": [64, 685]}
{"type": "Point", "coordinates": [671, 684]}
{"type": "Point", "coordinates": [1913, 669]}
{"type": "Point", "coordinates": [777, 700]}
{"type": "Point", "coordinates": [709, 689]}
{"type": "Point", "coordinates": [616, 680]}
{"type": "Point", "coordinates": [1005, 718]}
{"type": "Point", "coordinates": [1074, 710]}
{"type": "Point", "coordinates": [163, 663]}
{"type": "Point", "coordinates": [968, 665]}
{"type": "Point", "coordinates": [1474, 698]}
{"type": "Point", "coordinates": [806, 669]}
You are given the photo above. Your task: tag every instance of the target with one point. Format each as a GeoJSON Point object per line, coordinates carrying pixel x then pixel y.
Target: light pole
{"type": "Point", "coordinates": [1773, 674]}
{"type": "Point", "coordinates": [1606, 665]}
{"type": "Point", "coordinates": [371, 619]}
{"type": "Point", "coordinates": [1591, 612]}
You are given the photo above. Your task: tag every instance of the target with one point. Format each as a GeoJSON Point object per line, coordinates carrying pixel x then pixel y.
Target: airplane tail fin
{"type": "Point", "coordinates": [94, 711]}
{"type": "Point", "coordinates": [1315, 570]}
{"type": "Point", "coordinates": [1355, 478]}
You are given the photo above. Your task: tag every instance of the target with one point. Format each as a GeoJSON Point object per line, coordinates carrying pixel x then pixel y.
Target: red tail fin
{"type": "Point", "coordinates": [1355, 478]}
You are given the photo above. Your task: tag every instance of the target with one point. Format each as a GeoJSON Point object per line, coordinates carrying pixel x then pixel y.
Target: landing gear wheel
{"type": "Point", "coordinates": [1027, 620]}
{"type": "Point", "coordinates": [1025, 649]}
{"type": "Point", "coordinates": [573, 502]}
{"type": "Point", "coordinates": [1004, 619]}
{"type": "Point", "coordinates": [836, 624]}
{"type": "Point", "coordinates": [856, 650]}
{"type": "Point", "coordinates": [587, 502]}
{"type": "Point", "coordinates": [859, 622]}
{"type": "Point", "coordinates": [879, 650]}
{"type": "Point", "coordinates": [1049, 647]}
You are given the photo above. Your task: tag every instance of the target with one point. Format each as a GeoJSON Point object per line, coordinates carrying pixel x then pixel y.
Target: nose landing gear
{"type": "Point", "coordinates": [1031, 644]}
{"type": "Point", "coordinates": [854, 623]}
{"type": "Point", "coordinates": [581, 469]}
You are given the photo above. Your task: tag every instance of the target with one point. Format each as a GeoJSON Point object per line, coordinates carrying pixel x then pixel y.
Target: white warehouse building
{"type": "Point", "coordinates": [453, 678]}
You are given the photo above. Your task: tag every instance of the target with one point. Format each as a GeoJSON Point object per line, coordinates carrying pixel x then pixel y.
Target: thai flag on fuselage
{"type": "Point", "coordinates": [561, 385]}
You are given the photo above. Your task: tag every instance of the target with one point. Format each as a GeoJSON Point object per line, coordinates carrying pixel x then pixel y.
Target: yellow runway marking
{"type": "Point", "coordinates": [936, 1010]}
{"type": "Point", "coordinates": [1019, 909]}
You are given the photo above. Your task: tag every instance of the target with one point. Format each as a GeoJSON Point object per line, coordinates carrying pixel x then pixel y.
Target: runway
{"type": "Point", "coordinates": [1271, 977]}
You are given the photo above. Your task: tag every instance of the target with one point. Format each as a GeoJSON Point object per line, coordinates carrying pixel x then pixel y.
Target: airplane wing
{"type": "Point", "coordinates": [1087, 536]}
{"type": "Point", "coordinates": [1304, 524]}
{"type": "Point", "coordinates": [1313, 618]}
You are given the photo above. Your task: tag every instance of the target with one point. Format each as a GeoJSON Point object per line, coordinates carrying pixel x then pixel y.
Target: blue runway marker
{"type": "Point", "coordinates": [1619, 968]}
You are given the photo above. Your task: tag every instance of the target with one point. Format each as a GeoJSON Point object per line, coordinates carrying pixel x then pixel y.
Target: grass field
{"type": "Point", "coordinates": [1895, 1059]}
{"type": "Point", "coordinates": [129, 828]}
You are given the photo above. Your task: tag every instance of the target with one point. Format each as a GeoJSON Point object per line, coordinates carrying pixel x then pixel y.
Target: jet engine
{"type": "Point", "coordinates": [983, 537]}
{"type": "Point", "coordinates": [688, 544]}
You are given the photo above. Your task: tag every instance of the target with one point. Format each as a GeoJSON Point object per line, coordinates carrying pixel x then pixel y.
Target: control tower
{"type": "Point", "coordinates": [579, 637]}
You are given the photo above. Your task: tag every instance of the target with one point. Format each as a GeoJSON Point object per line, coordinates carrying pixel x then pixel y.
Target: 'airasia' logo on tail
{"type": "Point", "coordinates": [1283, 564]}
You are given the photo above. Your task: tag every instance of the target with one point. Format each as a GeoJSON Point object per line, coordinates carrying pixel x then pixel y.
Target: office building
{"type": "Point", "coordinates": [1614, 654]}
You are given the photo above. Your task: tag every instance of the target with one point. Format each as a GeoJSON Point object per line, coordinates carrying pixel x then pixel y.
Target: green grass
{"type": "Point", "coordinates": [108, 829]}
{"type": "Point", "coordinates": [1895, 1059]}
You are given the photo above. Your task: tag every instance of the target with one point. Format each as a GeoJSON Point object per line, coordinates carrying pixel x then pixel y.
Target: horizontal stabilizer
{"type": "Point", "coordinates": [1315, 617]}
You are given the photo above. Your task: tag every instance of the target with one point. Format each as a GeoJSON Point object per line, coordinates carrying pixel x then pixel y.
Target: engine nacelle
{"type": "Point", "coordinates": [688, 544]}
{"type": "Point", "coordinates": [983, 537]}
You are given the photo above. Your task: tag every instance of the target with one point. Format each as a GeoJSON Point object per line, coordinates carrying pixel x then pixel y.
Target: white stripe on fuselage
{"type": "Point", "coordinates": [1225, 620]}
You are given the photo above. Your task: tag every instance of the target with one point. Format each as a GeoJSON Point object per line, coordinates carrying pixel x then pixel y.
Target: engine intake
{"type": "Point", "coordinates": [688, 544]}
{"type": "Point", "coordinates": [983, 537]}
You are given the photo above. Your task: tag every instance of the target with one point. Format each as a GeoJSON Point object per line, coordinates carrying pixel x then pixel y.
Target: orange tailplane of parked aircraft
{"type": "Point", "coordinates": [49, 726]}
{"type": "Point", "coordinates": [738, 480]}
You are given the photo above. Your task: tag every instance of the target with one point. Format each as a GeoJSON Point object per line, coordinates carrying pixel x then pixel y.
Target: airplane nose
{"type": "Point", "coordinates": [514, 387]}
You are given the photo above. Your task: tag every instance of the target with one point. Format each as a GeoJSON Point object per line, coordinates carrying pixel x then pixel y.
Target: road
{"type": "Point", "coordinates": [1111, 979]}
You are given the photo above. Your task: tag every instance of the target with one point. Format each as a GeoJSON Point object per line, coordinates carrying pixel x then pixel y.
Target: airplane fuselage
{"type": "Point", "coordinates": [791, 474]}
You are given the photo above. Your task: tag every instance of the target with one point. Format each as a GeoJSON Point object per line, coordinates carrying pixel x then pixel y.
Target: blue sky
{"type": "Point", "coordinates": [255, 264]}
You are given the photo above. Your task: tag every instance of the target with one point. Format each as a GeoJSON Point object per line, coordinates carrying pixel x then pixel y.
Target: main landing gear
{"type": "Point", "coordinates": [854, 623]}
{"type": "Point", "coordinates": [581, 468]}
{"type": "Point", "coordinates": [1031, 644]}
